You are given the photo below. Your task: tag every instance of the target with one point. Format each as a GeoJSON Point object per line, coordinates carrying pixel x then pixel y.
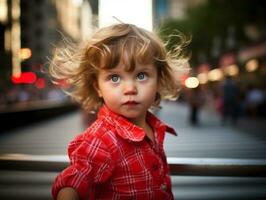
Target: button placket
{"type": "Point", "coordinates": [163, 187]}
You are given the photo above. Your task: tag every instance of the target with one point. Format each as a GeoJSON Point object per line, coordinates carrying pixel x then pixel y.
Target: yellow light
{"type": "Point", "coordinates": [215, 75]}
{"type": "Point", "coordinates": [3, 11]}
{"type": "Point", "coordinates": [191, 82]}
{"type": "Point", "coordinates": [15, 9]}
{"type": "Point", "coordinates": [203, 78]}
{"type": "Point", "coordinates": [7, 40]}
{"type": "Point", "coordinates": [15, 38]}
{"type": "Point", "coordinates": [252, 65]}
{"type": "Point", "coordinates": [232, 70]}
{"type": "Point", "coordinates": [24, 53]}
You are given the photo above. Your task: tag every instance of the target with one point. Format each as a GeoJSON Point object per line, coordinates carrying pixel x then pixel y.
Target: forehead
{"type": "Point", "coordinates": [137, 67]}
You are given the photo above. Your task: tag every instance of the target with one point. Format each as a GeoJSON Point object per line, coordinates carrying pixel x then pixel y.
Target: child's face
{"type": "Point", "coordinates": [128, 93]}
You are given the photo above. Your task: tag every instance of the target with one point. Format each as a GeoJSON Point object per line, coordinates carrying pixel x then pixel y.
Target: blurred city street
{"type": "Point", "coordinates": [220, 115]}
{"type": "Point", "coordinates": [209, 139]}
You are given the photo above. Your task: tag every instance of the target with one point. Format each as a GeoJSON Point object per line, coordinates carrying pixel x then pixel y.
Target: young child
{"type": "Point", "coordinates": [121, 71]}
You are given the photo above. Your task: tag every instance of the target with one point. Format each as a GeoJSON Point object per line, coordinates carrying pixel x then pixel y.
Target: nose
{"type": "Point", "coordinates": [130, 88]}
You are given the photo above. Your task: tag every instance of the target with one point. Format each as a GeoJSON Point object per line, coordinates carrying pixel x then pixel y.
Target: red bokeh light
{"type": "Point", "coordinates": [25, 77]}
{"type": "Point", "coordinates": [40, 83]}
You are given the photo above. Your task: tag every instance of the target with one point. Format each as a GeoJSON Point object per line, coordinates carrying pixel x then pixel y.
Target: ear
{"type": "Point", "coordinates": [96, 87]}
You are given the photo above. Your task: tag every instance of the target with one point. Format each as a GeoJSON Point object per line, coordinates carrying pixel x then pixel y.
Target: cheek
{"type": "Point", "coordinates": [150, 91]}
{"type": "Point", "coordinates": [111, 95]}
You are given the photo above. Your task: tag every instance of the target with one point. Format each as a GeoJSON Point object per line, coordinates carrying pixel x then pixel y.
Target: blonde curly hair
{"type": "Point", "coordinates": [79, 65]}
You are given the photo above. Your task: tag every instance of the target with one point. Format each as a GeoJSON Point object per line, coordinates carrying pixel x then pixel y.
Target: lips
{"type": "Point", "coordinates": [131, 103]}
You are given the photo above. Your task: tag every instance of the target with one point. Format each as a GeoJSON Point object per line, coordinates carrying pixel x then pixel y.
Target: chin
{"type": "Point", "coordinates": [131, 115]}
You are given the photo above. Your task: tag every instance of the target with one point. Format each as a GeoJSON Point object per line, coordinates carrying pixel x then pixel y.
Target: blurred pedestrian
{"type": "Point", "coordinates": [195, 100]}
{"type": "Point", "coordinates": [123, 71]}
{"type": "Point", "coordinates": [230, 102]}
{"type": "Point", "coordinates": [254, 101]}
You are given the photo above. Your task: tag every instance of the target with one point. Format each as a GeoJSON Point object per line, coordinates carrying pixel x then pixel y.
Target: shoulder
{"type": "Point", "coordinates": [99, 133]}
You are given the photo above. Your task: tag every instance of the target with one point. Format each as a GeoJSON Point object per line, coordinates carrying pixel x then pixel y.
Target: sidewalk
{"type": "Point", "coordinates": [253, 126]}
{"type": "Point", "coordinates": [211, 139]}
{"type": "Point", "coordinates": [208, 140]}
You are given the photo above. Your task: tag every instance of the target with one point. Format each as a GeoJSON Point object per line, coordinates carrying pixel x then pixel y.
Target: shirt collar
{"type": "Point", "coordinates": [128, 130]}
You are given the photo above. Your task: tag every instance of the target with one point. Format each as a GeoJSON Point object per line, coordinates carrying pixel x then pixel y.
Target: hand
{"type": "Point", "coordinates": [67, 193]}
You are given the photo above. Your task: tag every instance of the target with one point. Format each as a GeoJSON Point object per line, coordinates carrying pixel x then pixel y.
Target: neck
{"type": "Point", "coordinates": [140, 121]}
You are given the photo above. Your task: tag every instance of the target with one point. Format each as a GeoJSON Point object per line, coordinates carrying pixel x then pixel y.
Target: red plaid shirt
{"type": "Point", "coordinates": [113, 159]}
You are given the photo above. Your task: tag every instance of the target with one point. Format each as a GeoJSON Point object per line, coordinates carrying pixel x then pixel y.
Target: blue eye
{"type": "Point", "coordinates": [115, 78]}
{"type": "Point", "coordinates": [142, 76]}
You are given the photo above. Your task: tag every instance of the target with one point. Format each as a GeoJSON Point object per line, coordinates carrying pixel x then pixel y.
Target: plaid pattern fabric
{"type": "Point", "coordinates": [113, 159]}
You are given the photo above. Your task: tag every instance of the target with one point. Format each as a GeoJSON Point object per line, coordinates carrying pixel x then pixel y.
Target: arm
{"type": "Point", "coordinates": [67, 193]}
{"type": "Point", "coordinates": [85, 169]}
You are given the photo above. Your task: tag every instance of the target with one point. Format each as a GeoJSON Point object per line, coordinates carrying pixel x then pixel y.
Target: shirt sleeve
{"type": "Point", "coordinates": [90, 163]}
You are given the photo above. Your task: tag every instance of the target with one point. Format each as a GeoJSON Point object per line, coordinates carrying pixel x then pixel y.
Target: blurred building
{"type": "Point", "coordinates": [29, 30]}
{"type": "Point", "coordinates": [172, 9]}
{"type": "Point", "coordinates": [38, 31]}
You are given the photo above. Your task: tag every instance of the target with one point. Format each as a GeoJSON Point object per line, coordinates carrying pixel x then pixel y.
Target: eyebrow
{"type": "Point", "coordinates": [146, 67]}
{"type": "Point", "coordinates": [110, 71]}
{"type": "Point", "coordinates": [137, 68]}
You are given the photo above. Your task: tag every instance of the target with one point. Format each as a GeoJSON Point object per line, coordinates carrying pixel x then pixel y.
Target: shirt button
{"type": "Point", "coordinates": [163, 187]}
{"type": "Point", "coordinates": [155, 167]}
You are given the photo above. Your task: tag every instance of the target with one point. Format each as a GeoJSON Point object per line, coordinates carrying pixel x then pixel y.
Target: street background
{"type": "Point", "coordinates": [209, 139]}
{"type": "Point", "coordinates": [221, 111]}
